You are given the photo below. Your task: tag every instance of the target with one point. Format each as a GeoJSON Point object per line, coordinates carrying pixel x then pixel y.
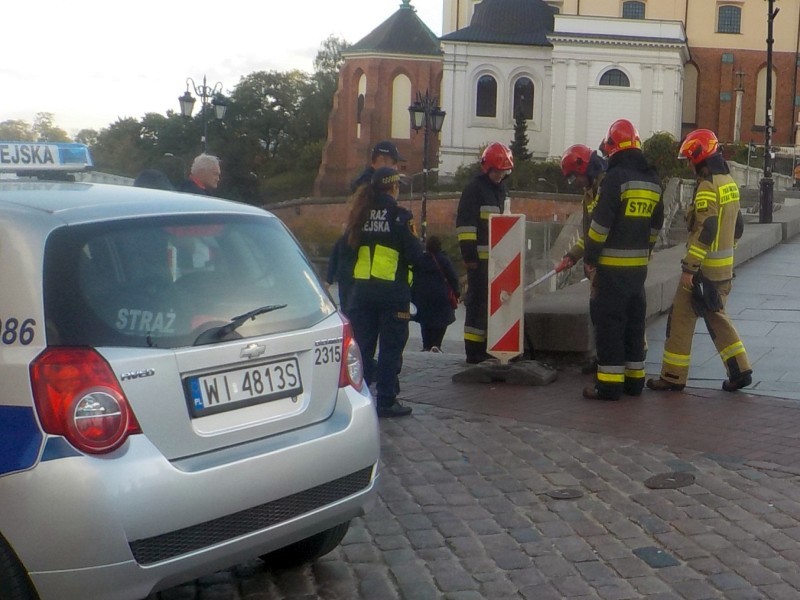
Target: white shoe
{"type": "Point", "coordinates": [436, 349]}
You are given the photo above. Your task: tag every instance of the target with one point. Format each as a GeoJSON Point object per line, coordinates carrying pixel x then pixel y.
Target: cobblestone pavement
{"type": "Point", "coordinates": [464, 511]}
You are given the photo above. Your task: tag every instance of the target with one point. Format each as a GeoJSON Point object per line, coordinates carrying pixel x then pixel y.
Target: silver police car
{"type": "Point", "coordinates": [179, 393]}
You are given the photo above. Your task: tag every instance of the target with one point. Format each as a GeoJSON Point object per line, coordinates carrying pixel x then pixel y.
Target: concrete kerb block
{"type": "Point", "coordinates": [559, 321]}
{"type": "Point", "coordinates": [523, 372]}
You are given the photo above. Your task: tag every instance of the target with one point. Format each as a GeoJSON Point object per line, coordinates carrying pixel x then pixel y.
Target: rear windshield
{"type": "Point", "coordinates": [162, 282]}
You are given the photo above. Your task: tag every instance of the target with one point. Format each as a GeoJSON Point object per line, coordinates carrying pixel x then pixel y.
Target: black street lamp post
{"type": "Point", "coordinates": [767, 183]}
{"type": "Point", "coordinates": [426, 114]}
{"type": "Point", "coordinates": [208, 96]}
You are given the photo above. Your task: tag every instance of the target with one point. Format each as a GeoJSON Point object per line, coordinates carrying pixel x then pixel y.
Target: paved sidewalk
{"type": "Point", "coordinates": [464, 510]}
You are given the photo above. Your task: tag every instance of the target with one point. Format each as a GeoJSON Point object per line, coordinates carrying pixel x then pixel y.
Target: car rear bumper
{"type": "Point", "coordinates": [79, 524]}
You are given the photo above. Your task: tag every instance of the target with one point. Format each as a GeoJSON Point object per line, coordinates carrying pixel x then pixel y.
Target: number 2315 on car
{"type": "Point", "coordinates": [237, 388]}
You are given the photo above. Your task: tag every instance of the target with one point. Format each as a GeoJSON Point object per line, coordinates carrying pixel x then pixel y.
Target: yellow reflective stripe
{"type": "Point", "coordinates": [697, 252]}
{"type": "Point", "coordinates": [579, 243]}
{"type": "Point", "coordinates": [467, 236]}
{"type": "Point", "coordinates": [610, 377]}
{"type": "Point", "coordinates": [474, 335]}
{"type": "Point", "coordinates": [384, 263]}
{"type": "Point", "coordinates": [731, 351]}
{"type": "Point", "coordinates": [635, 373]}
{"type": "Point", "coordinates": [649, 195]}
{"type": "Point", "coordinates": [629, 144]}
{"type": "Point", "coordinates": [623, 261]}
{"type": "Point", "coordinates": [709, 196]}
{"type": "Point", "coordinates": [483, 254]}
{"type": "Point", "coordinates": [597, 236]}
{"type": "Point", "coordinates": [363, 263]}
{"type": "Point", "coordinates": [718, 262]}
{"type": "Point", "coordinates": [678, 360]}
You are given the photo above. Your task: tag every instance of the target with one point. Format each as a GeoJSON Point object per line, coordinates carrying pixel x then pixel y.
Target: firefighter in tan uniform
{"type": "Point", "coordinates": [715, 224]}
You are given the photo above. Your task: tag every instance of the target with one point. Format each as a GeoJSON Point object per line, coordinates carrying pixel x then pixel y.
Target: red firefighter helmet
{"type": "Point", "coordinates": [622, 135]}
{"type": "Point", "coordinates": [497, 156]}
{"type": "Point", "coordinates": [575, 160]}
{"type": "Point", "coordinates": [699, 145]}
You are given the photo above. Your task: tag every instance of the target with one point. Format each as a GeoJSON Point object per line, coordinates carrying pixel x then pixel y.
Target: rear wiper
{"type": "Point", "coordinates": [218, 333]}
{"type": "Point", "coordinates": [237, 322]}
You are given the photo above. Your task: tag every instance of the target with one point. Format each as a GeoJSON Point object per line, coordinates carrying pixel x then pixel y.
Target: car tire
{"type": "Point", "coordinates": [306, 550]}
{"type": "Point", "coordinates": [14, 581]}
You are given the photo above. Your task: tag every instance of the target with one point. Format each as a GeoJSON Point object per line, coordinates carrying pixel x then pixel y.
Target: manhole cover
{"type": "Point", "coordinates": [565, 494]}
{"type": "Point", "coordinates": [670, 481]}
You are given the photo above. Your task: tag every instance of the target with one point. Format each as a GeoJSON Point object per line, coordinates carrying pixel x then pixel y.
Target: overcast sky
{"type": "Point", "coordinates": [90, 62]}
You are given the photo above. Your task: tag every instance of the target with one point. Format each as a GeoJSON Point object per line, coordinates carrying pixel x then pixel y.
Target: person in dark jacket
{"type": "Point", "coordinates": [624, 228]}
{"type": "Point", "coordinates": [483, 196]}
{"type": "Point", "coordinates": [381, 235]}
{"type": "Point", "coordinates": [384, 154]}
{"type": "Point", "coordinates": [433, 277]}
{"type": "Point", "coordinates": [203, 176]}
{"type": "Point", "coordinates": [340, 270]}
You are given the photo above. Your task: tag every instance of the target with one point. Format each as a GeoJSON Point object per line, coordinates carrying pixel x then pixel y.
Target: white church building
{"type": "Point", "coordinates": [571, 76]}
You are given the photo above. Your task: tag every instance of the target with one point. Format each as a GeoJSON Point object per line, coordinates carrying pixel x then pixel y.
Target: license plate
{"type": "Point", "coordinates": [237, 388]}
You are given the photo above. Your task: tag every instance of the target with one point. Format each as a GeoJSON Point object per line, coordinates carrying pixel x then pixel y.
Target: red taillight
{"type": "Point", "coordinates": [352, 370]}
{"type": "Point", "coordinates": [77, 396]}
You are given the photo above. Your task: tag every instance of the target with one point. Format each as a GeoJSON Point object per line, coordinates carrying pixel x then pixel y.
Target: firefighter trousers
{"type": "Point", "coordinates": [618, 308]}
{"type": "Point", "coordinates": [680, 331]}
{"type": "Point", "coordinates": [476, 303]}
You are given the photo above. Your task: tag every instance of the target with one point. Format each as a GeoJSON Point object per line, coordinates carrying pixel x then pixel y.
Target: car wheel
{"type": "Point", "coordinates": [14, 581]}
{"type": "Point", "coordinates": [307, 550]}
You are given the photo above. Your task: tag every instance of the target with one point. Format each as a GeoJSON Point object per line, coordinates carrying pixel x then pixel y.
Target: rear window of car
{"type": "Point", "coordinates": [162, 282]}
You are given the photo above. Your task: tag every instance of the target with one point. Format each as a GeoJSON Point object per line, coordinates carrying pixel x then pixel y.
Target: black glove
{"type": "Point", "coordinates": [705, 297]}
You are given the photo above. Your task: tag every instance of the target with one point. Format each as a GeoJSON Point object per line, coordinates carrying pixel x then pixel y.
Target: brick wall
{"type": "Point", "coordinates": [317, 223]}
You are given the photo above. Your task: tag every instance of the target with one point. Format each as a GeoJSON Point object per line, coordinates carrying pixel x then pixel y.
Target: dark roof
{"type": "Point", "coordinates": [524, 22]}
{"type": "Point", "coordinates": [402, 33]}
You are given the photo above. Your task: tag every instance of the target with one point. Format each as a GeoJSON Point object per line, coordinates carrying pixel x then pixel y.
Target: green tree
{"type": "Point", "coordinates": [46, 129]}
{"type": "Point", "coordinates": [519, 145]}
{"type": "Point", "coordinates": [16, 131]}
{"type": "Point", "coordinates": [87, 136]}
{"type": "Point", "coordinates": [120, 149]}
{"type": "Point", "coordinates": [661, 151]}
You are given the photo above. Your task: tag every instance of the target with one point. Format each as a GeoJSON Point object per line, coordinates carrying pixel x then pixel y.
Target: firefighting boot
{"type": "Point", "coordinates": [731, 385]}
{"type": "Point", "coordinates": [662, 385]}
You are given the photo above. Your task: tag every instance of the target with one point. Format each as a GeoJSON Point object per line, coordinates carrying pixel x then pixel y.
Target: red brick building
{"type": "Point", "coordinates": [379, 80]}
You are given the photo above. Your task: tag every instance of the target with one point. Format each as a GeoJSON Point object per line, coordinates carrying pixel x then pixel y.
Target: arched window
{"type": "Point", "coordinates": [633, 10]}
{"type": "Point", "coordinates": [486, 101]}
{"type": "Point", "coordinates": [362, 92]}
{"type": "Point", "coordinates": [690, 76]}
{"type": "Point", "coordinates": [615, 77]}
{"type": "Point", "coordinates": [401, 98]}
{"type": "Point", "coordinates": [523, 98]}
{"type": "Point", "coordinates": [761, 97]}
{"type": "Point", "coordinates": [729, 19]}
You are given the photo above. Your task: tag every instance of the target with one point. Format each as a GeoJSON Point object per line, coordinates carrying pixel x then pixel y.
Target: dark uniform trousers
{"type": "Point", "coordinates": [618, 308]}
{"type": "Point", "coordinates": [374, 321]}
{"type": "Point", "coordinates": [476, 316]}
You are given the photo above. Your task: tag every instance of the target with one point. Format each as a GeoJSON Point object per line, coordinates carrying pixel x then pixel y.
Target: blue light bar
{"type": "Point", "coordinates": [44, 156]}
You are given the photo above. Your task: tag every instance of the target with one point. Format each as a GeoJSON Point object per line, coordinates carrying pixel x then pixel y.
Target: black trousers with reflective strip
{"type": "Point", "coordinates": [476, 302]}
{"type": "Point", "coordinates": [618, 310]}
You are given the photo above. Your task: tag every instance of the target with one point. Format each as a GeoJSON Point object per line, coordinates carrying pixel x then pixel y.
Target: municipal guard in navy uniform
{"type": "Point", "coordinates": [382, 235]}
{"type": "Point", "coordinates": [482, 197]}
{"type": "Point", "coordinates": [625, 225]}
